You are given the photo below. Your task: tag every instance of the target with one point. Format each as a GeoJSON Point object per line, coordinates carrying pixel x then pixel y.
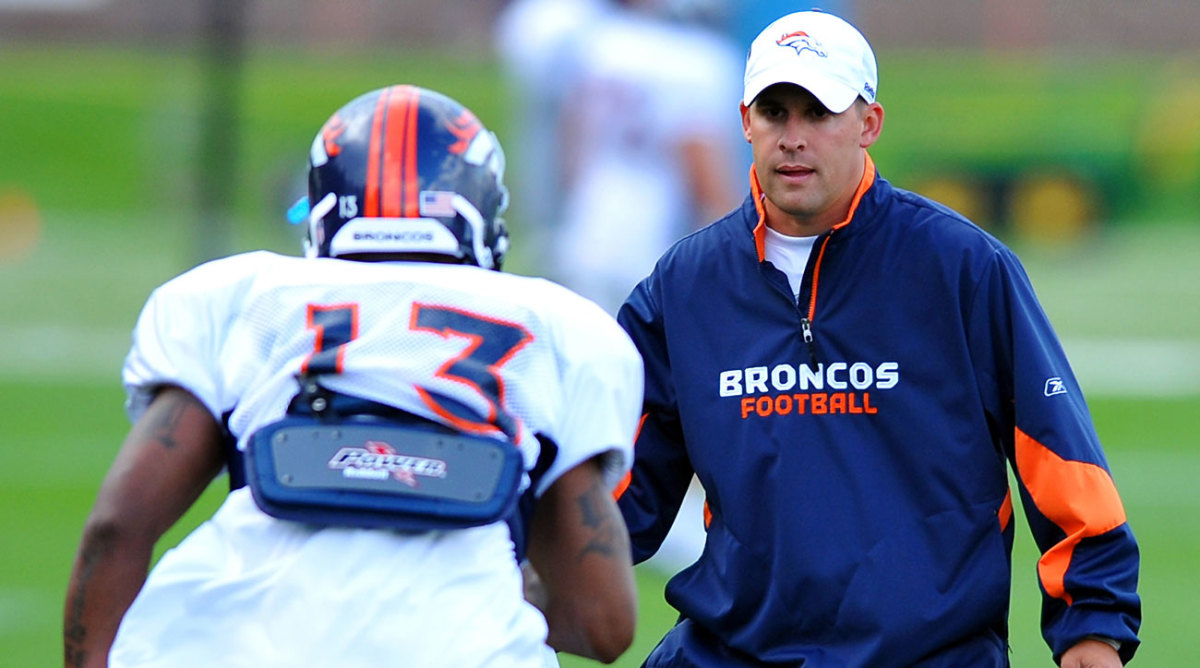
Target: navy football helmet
{"type": "Point", "coordinates": [406, 170]}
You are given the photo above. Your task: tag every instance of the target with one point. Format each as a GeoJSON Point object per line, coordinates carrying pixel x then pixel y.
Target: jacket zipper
{"type": "Point", "coordinates": [806, 319]}
{"type": "Point", "coordinates": [807, 335]}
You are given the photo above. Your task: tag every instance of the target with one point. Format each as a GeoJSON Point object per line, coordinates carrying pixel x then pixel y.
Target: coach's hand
{"type": "Point", "coordinates": [1091, 654]}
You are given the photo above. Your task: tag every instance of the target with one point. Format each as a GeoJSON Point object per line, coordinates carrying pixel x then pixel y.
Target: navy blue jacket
{"type": "Point", "coordinates": [853, 446]}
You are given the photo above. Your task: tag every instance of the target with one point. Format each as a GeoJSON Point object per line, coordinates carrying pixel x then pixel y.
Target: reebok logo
{"type": "Point", "coordinates": [1055, 386]}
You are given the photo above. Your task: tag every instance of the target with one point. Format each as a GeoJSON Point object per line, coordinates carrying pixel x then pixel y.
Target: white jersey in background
{"type": "Point", "coordinates": [534, 40]}
{"type": "Point", "coordinates": [477, 349]}
{"type": "Point", "coordinates": [641, 87]}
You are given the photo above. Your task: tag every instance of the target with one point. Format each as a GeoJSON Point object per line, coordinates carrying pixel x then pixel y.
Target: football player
{"type": "Point", "coordinates": [411, 366]}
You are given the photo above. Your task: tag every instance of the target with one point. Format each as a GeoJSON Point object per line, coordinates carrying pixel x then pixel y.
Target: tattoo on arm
{"type": "Point", "coordinates": [594, 507]}
{"type": "Point", "coordinates": [166, 423]}
{"type": "Point", "coordinates": [75, 629]}
{"type": "Point", "coordinates": [103, 580]}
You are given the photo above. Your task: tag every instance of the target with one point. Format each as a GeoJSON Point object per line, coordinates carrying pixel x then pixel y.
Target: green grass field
{"type": "Point", "coordinates": [105, 152]}
{"type": "Point", "coordinates": [61, 435]}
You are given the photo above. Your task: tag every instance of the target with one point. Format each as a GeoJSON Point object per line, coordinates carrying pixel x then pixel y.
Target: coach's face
{"type": "Point", "coordinates": [809, 160]}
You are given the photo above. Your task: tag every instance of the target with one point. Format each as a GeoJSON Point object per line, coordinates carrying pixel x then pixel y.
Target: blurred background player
{"type": "Point", "coordinates": [626, 142]}
{"type": "Point", "coordinates": [646, 147]}
{"type": "Point", "coordinates": [534, 40]}
{"type": "Point", "coordinates": [396, 314]}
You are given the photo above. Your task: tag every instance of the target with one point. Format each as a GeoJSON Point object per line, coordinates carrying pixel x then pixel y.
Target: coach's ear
{"type": "Point", "coordinates": [745, 121]}
{"type": "Point", "coordinates": [872, 123]}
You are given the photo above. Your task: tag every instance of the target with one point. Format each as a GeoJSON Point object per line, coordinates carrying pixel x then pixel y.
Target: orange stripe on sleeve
{"type": "Point", "coordinates": [1078, 497]}
{"type": "Point", "coordinates": [1006, 511]}
{"type": "Point", "coordinates": [624, 484]}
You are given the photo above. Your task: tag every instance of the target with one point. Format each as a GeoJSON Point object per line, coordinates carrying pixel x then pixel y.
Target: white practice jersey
{"type": "Point", "coordinates": [483, 351]}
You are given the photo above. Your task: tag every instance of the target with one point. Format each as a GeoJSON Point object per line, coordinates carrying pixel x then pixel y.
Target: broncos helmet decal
{"type": "Point", "coordinates": [404, 169]}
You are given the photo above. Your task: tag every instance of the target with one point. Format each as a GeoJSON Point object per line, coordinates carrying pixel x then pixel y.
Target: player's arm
{"type": "Point", "coordinates": [169, 457]}
{"type": "Point", "coordinates": [579, 547]}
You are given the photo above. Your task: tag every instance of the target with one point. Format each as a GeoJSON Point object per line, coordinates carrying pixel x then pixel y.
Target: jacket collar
{"type": "Point", "coordinates": [757, 195]}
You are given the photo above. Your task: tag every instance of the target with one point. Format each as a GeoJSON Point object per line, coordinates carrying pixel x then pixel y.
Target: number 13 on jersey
{"type": "Point", "coordinates": [491, 343]}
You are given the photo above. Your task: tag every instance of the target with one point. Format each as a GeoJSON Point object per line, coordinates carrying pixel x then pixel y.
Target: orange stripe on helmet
{"type": "Point", "coordinates": [395, 167]}
{"type": "Point", "coordinates": [412, 177]}
{"type": "Point", "coordinates": [375, 155]}
{"type": "Point", "coordinates": [1080, 498]}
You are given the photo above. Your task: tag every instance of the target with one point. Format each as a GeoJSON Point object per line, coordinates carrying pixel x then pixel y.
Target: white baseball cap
{"type": "Point", "coordinates": [817, 51]}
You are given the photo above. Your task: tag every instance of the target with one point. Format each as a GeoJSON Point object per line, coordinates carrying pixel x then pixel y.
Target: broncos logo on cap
{"type": "Point", "coordinates": [801, 42]}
